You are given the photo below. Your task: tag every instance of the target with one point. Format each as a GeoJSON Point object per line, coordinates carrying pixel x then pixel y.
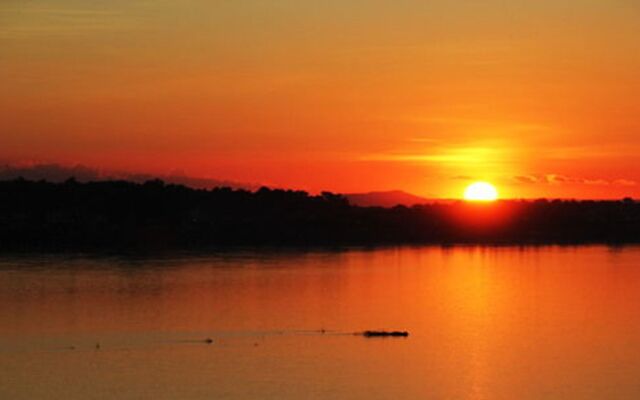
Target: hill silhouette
{"type": "Point", "coordinates": [154, 215]}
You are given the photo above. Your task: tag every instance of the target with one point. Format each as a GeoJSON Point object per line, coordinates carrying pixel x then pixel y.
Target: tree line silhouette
{"type": "Point", "coordinates": [153, 215]}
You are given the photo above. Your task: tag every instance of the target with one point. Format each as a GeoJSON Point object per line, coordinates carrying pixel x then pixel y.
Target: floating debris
{"type": "Point", "coordinates": [385, 334]}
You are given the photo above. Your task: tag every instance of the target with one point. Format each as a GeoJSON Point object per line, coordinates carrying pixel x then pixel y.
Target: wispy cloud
{"type": "Point", "coordinates": [26, 20]}
{"type": "Point", "coordinates": [559, 179]}
{"type": "Point", "coordinates": [463, 177]}
{"type": "Point", "coordinates": [59, 12]}
{"type": "Point", "coordinates": [624, 182]}
{"type": "Point", "coordinates": [447, 156]}
{"type": "Point", "coordinates": [568, 153]}
{"type": "Point", "coordinates": [526, 179]}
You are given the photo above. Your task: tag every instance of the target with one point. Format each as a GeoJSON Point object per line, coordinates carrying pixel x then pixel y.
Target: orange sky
{"type": "Point", "coordinates": [539, 97]}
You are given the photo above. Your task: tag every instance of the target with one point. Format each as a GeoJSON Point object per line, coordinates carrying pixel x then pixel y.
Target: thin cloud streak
{"type": "Point", "coordinates": [559, 179]}
{"type": "Point", "coordinates": [40, 21]}
{"type": "Point", "coordinates": [447, 156]}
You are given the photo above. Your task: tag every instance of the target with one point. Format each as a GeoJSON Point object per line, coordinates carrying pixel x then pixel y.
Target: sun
{"type": "Point", "coordinates": [481, 191]}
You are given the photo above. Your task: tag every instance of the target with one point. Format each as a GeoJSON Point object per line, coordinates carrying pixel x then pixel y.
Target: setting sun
{"type": "Point", "coordinates": [480, 191]}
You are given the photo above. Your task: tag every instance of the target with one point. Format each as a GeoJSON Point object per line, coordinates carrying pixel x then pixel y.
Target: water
{"type": "Point", "coordinates": [485, 323]}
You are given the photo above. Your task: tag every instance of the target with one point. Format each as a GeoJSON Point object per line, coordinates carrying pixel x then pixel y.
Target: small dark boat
{"type": "Point", "coordinates": [385, 333]}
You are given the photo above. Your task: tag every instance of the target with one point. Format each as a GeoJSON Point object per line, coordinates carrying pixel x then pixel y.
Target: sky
{"type": "Point", "coordinates": [538, 97]}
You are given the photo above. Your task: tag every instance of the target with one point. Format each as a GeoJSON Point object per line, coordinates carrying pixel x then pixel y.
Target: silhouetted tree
{"type": "Point", "coordinates": [155, 215]}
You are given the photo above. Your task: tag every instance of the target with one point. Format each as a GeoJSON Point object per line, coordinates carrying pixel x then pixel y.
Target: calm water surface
{"type": "Point", "coordinates": [485, 323]}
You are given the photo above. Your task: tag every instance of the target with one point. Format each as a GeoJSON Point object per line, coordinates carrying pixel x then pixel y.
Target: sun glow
{"type": "Point", "coordinates": [480, 191]}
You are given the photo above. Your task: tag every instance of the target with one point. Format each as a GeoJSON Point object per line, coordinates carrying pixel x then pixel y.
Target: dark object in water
{"type": "Point", "coordinates": [208, 340]}
{"type": "Point", "coordinates": [385, 333]}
